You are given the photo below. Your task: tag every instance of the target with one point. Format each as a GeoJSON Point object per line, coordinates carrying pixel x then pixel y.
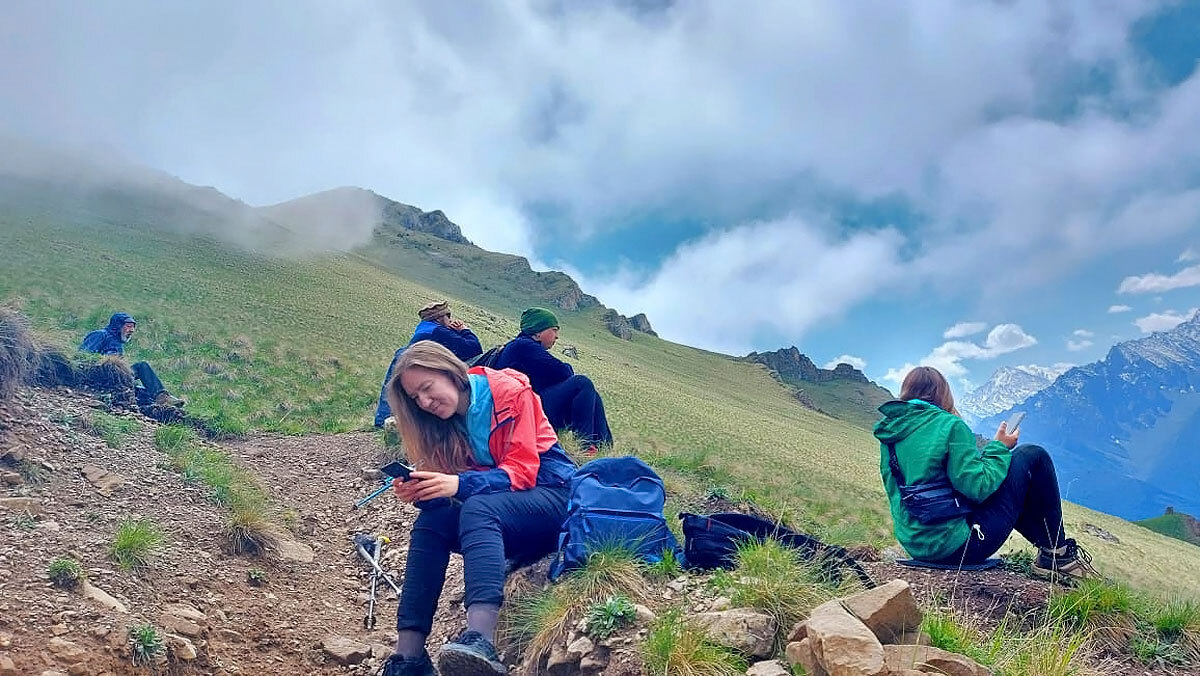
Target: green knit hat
{"type": "Point", "coordinates": [537, 319]}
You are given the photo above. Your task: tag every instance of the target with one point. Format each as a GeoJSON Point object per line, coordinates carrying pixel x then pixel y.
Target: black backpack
{"type": "Point", "coordinates": [488, 358]}
{"type": "Point", "coordinates": [711, 541]}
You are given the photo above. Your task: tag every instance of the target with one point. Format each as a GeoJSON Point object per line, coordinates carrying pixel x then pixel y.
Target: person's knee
{"type": "Point", "coordinates": [1031, 454]}
{"type": "Point", "coordinates": [478, 511]}
{"type": "Point", "coordinates": [584, 383]}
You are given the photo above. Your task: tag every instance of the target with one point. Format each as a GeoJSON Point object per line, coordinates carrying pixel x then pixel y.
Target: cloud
{"type": "Point", "coordinates": [948, 357]}
{"type": "Point", "coordinates": [964, 329]}
{"type": "Point", "coordinates": [857, 362]}
{"type": "Point", "coordinates": [1077, 345]}
{"type": "Point", "coordinates": [1084, 333]}
{"type": "Point", "coordinates": [783, 275]}
{"type": "Point", "coordinates": [1189, 254]}
{"type": "Point", "coordinates": [1115, 309]}
{"type": "Point", "coordinates": [1163, 321]}
{"type": "Point", "coordinates": [1156, 283]}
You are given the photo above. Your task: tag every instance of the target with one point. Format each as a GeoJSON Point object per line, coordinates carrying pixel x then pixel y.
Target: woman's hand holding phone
{"type": "Point", "coordinates": [422, 486]}
{"type": "Point", "coordinates": [1004, 437]}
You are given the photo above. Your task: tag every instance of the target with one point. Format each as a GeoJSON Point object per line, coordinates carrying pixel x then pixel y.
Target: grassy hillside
{"type": "Point", "coordinates": [297, 346]}
{"type": "Point", "coordinates": [856, 403]}
{"type": "Point", "coordinates": [1176, 525]}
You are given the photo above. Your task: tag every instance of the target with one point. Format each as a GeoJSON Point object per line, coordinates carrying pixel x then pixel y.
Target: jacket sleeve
{"type": "Point", "coordinates": [99, 342]}
{"type": "Point", "coordinates": [463, 343]}
{"type": "Point", "coordinates": [517, 467]}
{"type": "Point", "coordinates": [549, 369]}
{"type": "Point", "coordinates": [974, 472]}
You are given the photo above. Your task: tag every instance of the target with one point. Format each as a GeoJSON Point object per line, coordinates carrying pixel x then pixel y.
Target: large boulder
{"type": "Point", "coordinates": [747, 631]}
{"type": "Point", "coordinates": [888, 610]}
{"type": "Point", "coordinates": [842, 644]}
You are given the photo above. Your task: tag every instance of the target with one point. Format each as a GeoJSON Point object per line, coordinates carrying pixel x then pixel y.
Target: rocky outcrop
{"type": "Point", "coordinates": [641, 322]}
{"type": "Point", "coordinates": [617, 324]}
{"type": "Point", "coordinates": [792, 366]}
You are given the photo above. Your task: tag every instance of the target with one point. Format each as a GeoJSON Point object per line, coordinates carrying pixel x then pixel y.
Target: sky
{"type": "Point", "coordinates": [961, 184]}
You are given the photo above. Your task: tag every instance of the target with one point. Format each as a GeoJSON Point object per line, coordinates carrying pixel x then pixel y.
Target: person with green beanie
{"type": "Point", "coordinates": [570, 400]}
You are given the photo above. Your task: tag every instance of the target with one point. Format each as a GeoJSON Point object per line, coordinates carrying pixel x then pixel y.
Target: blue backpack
{"type": "Point", "coordinates": [614, 502]}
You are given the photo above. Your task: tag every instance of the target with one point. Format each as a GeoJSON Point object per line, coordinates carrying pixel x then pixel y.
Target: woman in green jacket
{"type": "Point", "coordinates": [1007, 487]}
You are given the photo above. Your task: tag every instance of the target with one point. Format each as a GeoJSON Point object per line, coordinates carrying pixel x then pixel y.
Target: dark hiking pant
{"type": "Point", "coordinates": [1027, 501]}
{"type": "Point", "coordinates": [574, 404]}
{"type": "Point", "coordinates": [485, 529]}
{"type": "Point", "coordinates": [150, 386]}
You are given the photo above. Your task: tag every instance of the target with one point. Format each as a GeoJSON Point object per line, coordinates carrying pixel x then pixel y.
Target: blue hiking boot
{"type": "Point", "coordinates": [470, 655]}
{"type": "Point", "coordinates": [414, 666]}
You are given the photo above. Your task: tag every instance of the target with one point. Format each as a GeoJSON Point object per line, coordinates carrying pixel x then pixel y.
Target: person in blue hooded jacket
{"type": "Point", "coordinates": [111, 340]}
{"type": "Point", "coordinates": [436, 325]}
{"type": "Point", "coordinates": [570, 400]}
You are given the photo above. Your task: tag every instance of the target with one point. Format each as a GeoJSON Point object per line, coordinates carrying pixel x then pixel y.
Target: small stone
{"type": "Point", "coordinates": [105, 481]}
{"type": "Point", "coordinates": [800, 652]}
{"type": "Point", "coordinates": [30, 505]}
{"type": "Point", "coordinates": [768, 668]}
{"type": "Point", "coordinates": [720, 603]}
{"type": "Point", "coordinates": [842, 644]}
{"type": "Point", "coordinates": [371, 474]}
{"type": "Point", "coordinates": [562, 662]}
{"type": "Point", "coordinates": [644, 614]}
{"type": "Point", "coordinates": [101, 597]}
{"type": "Point", "coordinates": [59, 629]}
{"type": "Point", "coordinates": [344, 650]}
{"type": "Point", "coordinates": [11, 478]}
{"type": "Point", "coordinates": [7, 667]}
{"type": "Point", "coordinates": [799, 632]}
{"type": "Point", "coordinates": [747, 631]}
{"type": "Point", "coordinates": [65, 650]}
{"type": "Point", "coordinates": [181, 648]}
{"type": "Point", "coordinates": [595, 661]}
{"type": "Point", "coordinates": [927, 658]}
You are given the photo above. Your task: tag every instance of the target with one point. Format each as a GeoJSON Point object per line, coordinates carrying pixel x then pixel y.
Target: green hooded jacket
{"type": "Point", "coordinates": [932, 444]}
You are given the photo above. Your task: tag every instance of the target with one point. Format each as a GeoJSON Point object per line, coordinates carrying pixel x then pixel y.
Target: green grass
{"type": "Point", "coordinates": [675, 648]}
{"type": "Point", "coordinates": [65, 572]}
{"type": "Point", "coordinates": [1047, 648]}
{"type": "Point", "coordinates": [145, 643]}
{"type": "Point", "coordinates": [299, 346]}
{"type": "Point", "coordinates": [135, 542]}
{"type": "Point", "coordinates": [114, 430]}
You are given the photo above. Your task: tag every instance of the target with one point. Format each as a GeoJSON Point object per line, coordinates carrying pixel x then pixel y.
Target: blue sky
{"type": "Point", "coordinates": [851, 178]}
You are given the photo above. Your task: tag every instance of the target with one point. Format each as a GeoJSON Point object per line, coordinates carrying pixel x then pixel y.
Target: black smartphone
{"type": "Point", "coordinates": [1014, 423]}
{"type": "Point", "coordinates": [397, 470]}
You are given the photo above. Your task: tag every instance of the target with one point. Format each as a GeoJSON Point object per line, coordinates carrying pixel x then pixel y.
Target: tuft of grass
{"type": "Point", "coordinates": [16, 351]}
{"type": "Point", "coordinates": [112, 429]}
{"type": "Point", "coordinates": [32, 472]}
{"type": "Point", "coordinates": [24, 521]}
{"type": "Point", "coordinates": [136, 540]}
{"type": "Point", "coordinates": [1103, 609]}
{"type": "Point", "coordinates": [665, 568]}
{"type": "Point", "coordinates": [145, 643]}
{"type": "Point", "coordinates": [610, 615]}
{"type": "Point", "coordinates": [1048, 648]}
{"type": "Point", "coordinates": [249, 529]}
{"type": "Point", "coordinates": [65, 572]}
{"type": "Point", "coordinates": [675, 648]}
{"type": "Point", "coordinates": [541, 619]}
{"type": "Point", "coordinates": [172, 439]}
{"type": "Point", "coordinates": [774, 578]}
{"type": "Point", "coordinates": [1153, 651]}
{"type": "Point", "coordinates": [1019, 562]}
{"type": "Point", "coordinates": [948, 633]}
{"type": "Point", "coordinates": [256, 577]}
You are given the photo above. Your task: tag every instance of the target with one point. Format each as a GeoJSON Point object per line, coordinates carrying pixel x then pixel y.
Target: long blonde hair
{"type": "Point", "coordinates": [928, 384]}
{"type": "Point", "coordinates": [432, 443]}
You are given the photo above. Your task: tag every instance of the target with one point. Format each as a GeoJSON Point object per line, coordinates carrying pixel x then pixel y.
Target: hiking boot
{"type": "Point", "coordinates": [1067, 564]}
{"type": "Point", "coordinates": [470, 655]}
{"type": "Point", "coordinates": [415, 666]}
{"type": "Point", "coordinates": [165, 400]}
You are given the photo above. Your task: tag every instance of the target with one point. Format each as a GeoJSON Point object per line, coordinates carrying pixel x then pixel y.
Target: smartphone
{"type": "Point", "coordinates": [397, 470]}
{"type": "Point", "coordinates": [1014, 422]}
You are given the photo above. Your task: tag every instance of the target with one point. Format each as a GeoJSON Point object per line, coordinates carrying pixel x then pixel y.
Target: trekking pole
{"type": "Point", "coordinates": [360, 542]}
{"type": "Point", "coordinates": [369, 620]}
{"type": "Point", "coordinates": [376, 493]}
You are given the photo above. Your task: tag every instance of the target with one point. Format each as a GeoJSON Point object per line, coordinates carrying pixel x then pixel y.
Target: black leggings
{"type": "Point", "coordinates": [1027, 501]}
{"type": "Point", "coordinates": [151, 385]}
{"type": "Point", "coordinates": [574, 404]}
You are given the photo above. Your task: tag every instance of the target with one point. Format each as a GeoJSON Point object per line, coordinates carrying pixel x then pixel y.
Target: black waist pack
{"type": "Point", "coordinates": [931, 502]}
{"type": "Point", "coordinates": [711, 541]}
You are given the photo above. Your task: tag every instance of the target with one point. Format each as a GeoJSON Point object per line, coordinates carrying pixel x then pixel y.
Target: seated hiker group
{"type": "Point", "coordinates": [493, 483]}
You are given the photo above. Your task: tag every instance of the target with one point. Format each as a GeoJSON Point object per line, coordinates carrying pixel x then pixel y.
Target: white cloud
{"type": "Point", "coordinates": [857, 362]}
{"type": "Point", "coordinates": [1156, 283]}
{"type": "Point", "coordinates": [1084, 333]}
{"type": "Point", "coordinates": [1077, 345]}
{"type": "Point", "coordinates": [1163, 321]}
{"type": "Point", "coordinates": [1116, 309]}
{"type": "Point", "coordinates": [964, 329]}
{"type": "Point", "coordinates": [948, 357]}
{"type": "Point", "coordinates": [1189, 254]}
{"type": "Point", "coordinates": [785, 275]}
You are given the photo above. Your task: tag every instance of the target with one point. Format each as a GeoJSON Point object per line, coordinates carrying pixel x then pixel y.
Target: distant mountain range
{"type": "Point", "coordinates": [843, 392]}
{"type": "Point", "coordinates": [1008, 386]}
{"type": "Point", "coordinates": [1124, 431]}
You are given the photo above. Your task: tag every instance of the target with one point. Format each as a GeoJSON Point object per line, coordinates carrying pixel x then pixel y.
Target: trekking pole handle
{"type": "Point", "coordinates": [376, 493]}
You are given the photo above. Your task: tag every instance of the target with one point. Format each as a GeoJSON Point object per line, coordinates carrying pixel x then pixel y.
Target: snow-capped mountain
{"type": "Point", "coordinates": [1125, 431]}
{"type": "Point", "coordinates": [1008, 386]}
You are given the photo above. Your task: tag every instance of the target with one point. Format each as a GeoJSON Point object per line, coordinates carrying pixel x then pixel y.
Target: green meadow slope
{"type": "Point", "coordinates": [1174, 524]}
{"type": "Point", "coordinates": [298, 346]}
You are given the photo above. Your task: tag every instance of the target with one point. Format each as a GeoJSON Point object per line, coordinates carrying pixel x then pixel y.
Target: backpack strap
{"type": "Point", "coordinates": [894, 464]}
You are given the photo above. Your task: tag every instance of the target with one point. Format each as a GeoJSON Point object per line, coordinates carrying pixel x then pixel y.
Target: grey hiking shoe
{"type": "Point", "coordinates": [166, 400]}
{"type": "Point", "coordinates": [416, 666]}
{"type": "Point", "coordinates": [1067, 564]}
{"type": "Point", "coordinates": [470, 655]}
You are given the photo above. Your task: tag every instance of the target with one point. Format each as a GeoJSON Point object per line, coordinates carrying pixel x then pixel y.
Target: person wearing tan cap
{"type": "Point", "coordinates": [437, 325]}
